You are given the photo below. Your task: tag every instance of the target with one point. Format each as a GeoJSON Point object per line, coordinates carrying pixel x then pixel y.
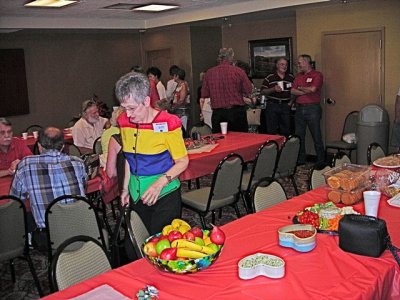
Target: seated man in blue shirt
{"type": "Point", "coordinates": [42, 178]}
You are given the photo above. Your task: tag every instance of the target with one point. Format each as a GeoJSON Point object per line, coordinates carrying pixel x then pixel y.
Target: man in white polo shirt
{"type": "Point", "coordinates": [89, 127]}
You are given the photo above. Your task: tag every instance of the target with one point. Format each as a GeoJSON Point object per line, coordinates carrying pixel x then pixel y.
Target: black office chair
{"type": "Point", "coordinates": [33, 128]}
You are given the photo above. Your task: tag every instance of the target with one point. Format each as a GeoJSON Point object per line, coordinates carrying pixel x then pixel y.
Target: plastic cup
{"type": "Point", "coordinates": [224, 127]}
{"type": "Point", "coordinates": [115, 108]}
{"type": "Point", "coordinates": [280, 84]}
{"type": "Point", "coordinates": [371, 202]}
{"type": "Point", "coordinates": [24, 135]}
{"type": "Point", "coordinates": [35, 134]}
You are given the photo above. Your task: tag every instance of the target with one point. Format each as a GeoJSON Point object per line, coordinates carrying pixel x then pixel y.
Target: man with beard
{"type": "Point", "coordinates": [89, 127]}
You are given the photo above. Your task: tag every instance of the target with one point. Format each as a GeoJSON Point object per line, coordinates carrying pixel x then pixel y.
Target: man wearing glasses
{"type": "Point", "coordinates": [89, 127]}
{"type": "Point", "coordinates": [12, 150]}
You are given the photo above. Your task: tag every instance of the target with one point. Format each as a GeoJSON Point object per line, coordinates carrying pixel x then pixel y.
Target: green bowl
{"type": "Point", "coordinates": [182, 266]}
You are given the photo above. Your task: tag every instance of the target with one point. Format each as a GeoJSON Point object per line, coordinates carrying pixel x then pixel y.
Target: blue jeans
{"type": "Point", "coordinates": [309, 115]}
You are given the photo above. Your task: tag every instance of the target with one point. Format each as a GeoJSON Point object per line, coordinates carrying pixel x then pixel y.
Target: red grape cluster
{"type": "Point", "coordinates": [309, 217]}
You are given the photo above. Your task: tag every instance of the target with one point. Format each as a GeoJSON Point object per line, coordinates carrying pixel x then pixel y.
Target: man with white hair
{"type": "Point", "coordinates": [89, 127]}
{"type": "Point", "coordinates": [226, 85]}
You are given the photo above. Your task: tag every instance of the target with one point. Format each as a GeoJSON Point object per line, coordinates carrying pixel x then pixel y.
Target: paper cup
{"type": "Point", "coordinates": [35, 134]}
{"type": "Point", "coordinates": [371, 202]}
{"type": "Point", "coordinates": [280, 84]}
{"type": "Point", "coordinates": [24, 135]}
{"type": "Point", "coordinates": [115, 108]}
{"type": "Point", "coordinates": [224, 127]}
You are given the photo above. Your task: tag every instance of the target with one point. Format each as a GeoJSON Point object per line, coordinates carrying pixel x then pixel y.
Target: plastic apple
{"type": "Point", "coordinates": [168, 254]}
{"type": "Point", "coordinates": [199, 241]}
{"type": "Point", "coordinates": [150, 249]}
{"type": "Point", "coordinates": [161, 245]}
{"type": "Point", "coordinates": [217, 236]}
{"type": "Point", "coordinates": [174, 235]}
{"type": "Point", "coordinates": [189, 236]}
{"type": "Point", "coordinates": [197, 232]}
{"type": "Point", "coordinates": [154, 239]}
{"type": "Point", "coordinates": [163, 237]}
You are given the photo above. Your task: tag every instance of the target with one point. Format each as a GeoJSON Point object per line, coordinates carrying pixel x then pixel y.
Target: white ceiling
{"type": "Point", "coordinates": [91, 14]}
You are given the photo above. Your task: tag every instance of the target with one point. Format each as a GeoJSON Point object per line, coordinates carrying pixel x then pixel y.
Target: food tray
{"type": "Point", "coordinates": [302, 244]}
{"type": "Point", "coordinates": [389, 162]}
{"type": "Point", "coordinates": [261, 264]}
{"type": "Point", "coordinates": [347, 177]}
{"type": "Point", "coordinates": [345, 197]}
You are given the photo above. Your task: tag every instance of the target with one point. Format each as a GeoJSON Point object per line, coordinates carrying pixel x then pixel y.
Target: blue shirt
{"type": "Point", "coordinates": [44, 177]}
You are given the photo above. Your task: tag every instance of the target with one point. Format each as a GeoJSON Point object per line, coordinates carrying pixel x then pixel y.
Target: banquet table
{"type": "Point", "coordinates": [30, 141]}
{"type": "Point", "coordinates": [244, 144]}
{"type": "Point", "coordinates": [326, 272]}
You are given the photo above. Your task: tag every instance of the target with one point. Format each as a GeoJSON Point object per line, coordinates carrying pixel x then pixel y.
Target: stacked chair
{"type": "Point", "coordinates": [267, 192]}
{"type": "Point", "coordinates": [374, 152]}
{"type": "Point", "coordinates": [316, 177]}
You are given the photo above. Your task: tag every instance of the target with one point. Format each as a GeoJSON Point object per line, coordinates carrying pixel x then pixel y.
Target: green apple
{"type": "Point", "coordinates": [161, 245]}
{"type": "Point", "coordinates": [213, 246]}
{"type": "Point", "coordinates": [199, 241]}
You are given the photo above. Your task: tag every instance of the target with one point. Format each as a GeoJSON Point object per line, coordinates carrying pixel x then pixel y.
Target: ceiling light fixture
{"type": "Point", "coordinates": [155, 7]}
{"type": "Point", "coordinates": [50, 3]}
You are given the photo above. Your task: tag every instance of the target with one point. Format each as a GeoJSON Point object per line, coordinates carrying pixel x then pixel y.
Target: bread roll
{"type": "Point", "coordinates": [334, 196]}
{"type": "Point", "coordinates": [334, 182]}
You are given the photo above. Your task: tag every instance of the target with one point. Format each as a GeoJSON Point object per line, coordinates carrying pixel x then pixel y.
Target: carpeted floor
{"type": "Point", "coordinates": [24, 287]}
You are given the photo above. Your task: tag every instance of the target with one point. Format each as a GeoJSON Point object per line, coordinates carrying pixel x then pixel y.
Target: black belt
{"type": "Point", "coordinates": [306, 104]}
{"type": "Point", "coordinates": [230, 107]}
{"type": "Point", "coordinates": [278, 101]}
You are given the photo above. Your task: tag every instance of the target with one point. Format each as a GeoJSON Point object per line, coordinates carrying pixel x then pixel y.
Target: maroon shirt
{"type": "Point", "coordinates": [226, 85]}
{"type": "Point", "coordinates": [312, 78]}
{"type": "Point", "coordinates": [17, 150]}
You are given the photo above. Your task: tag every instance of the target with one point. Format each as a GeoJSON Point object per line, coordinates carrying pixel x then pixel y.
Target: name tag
{"type": "Point", "coordinates": [309, 80]}
{"type": "Point", "coordinates": [160, 127]}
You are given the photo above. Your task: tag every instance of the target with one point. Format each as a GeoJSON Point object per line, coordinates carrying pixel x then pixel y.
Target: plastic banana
{"type": "Point", "coordinates": [176, 223]}
{"type": "Point", "coordinates": [184, 252]}
{"type": "Point", "coordinates": [182, 243]}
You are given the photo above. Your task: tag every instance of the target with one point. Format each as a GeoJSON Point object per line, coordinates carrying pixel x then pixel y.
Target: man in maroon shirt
{"type": "Point", "coordinates": [226, 85]}
{"type": "Point", "coordinates": [12, 150]}
{"type": "Point", "coordinates": [307, 87]}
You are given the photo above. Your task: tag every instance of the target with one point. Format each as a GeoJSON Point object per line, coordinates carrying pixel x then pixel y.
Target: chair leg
{"type": "Point", "coordinates": [203, 221]}
{"type": "Point", "coordinates": [12, 270]}
{"type": "Point", "coordinates": [213, 217]}
{"type": "Point", "coordinates": [113, 208]}
{"type": "Point", "coordinates": [34, 275]}
{"type": "Point", "coordinates": [189, 183]}
{"type": "Point", "coordinates": [246, 201]}
{"type": "Point", "coordinates": [237, 210]}
{"type": "Point", "coordinates": [294, 184]}
{"type": "Point", "coordinates": [220, 213]}
{"type": "Point", "coordinates": [197, 183]}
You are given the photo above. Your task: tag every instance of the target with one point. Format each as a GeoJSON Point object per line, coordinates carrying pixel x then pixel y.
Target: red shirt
{"type": "Point", "coordinates": [226, 85]}
{"type": "Point", "coordinates": [154, 97]}
{"type": "Point", "coordinates": [17, 150]}
{"type": "Point", "coordinates": [310, 79]}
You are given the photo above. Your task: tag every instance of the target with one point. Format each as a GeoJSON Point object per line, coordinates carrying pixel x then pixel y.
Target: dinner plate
{"type": "Point", "coordinates": [380, 162]}
{"type": "Point", "coordinates": [330, 232]}
{"type": "Point", "coordinates": [394, 201]}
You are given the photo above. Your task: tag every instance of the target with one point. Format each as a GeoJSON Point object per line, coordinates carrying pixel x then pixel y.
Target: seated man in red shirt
{"type": "Point", "coordinates": [12, 150]}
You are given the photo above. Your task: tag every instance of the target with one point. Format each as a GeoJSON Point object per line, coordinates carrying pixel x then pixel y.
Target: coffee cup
{"type": "Point", "coordinates": [24, 135]}
{"type": "Point", "coordinates": [224, 127]}
{"type": "Point", "coordinates": [371, 202]}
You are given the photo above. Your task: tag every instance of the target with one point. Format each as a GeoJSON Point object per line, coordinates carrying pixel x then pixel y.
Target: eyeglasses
{"type": "Point", "coordinates": [131, 108]}
{"type": "Point", "coordinates": [6, 132]}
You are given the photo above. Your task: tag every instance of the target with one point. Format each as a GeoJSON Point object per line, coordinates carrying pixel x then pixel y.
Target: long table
{"type": "Point", "coordinates": [244, 144]}
{"type": "Point", "coordinates": [326, 272]}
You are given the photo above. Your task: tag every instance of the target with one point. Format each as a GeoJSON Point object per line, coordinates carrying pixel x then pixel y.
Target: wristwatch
{"type": "Point", "coordinates": [169, 178]}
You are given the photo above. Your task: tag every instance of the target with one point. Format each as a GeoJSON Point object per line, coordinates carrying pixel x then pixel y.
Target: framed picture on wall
{"type": "Point", "coordinates": [263, 54]}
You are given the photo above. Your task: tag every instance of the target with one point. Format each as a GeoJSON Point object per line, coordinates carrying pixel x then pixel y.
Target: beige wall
{"type": "Point", "coordinates": [311, 23]}
{"type": "Point", "coordinates": [63, 69]}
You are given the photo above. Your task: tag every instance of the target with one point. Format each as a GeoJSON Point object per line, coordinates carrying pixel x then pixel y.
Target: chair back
{"type": "Point", "coordinates": [33, 128]}
{"type": "Point", "coordinates": [350, 123]}
{"type": "Point", "coordinates": [70, 267]}
{"type": "Point", "coordinates": [12, 228]}
{"type": "Point", "coordinates": [288, 155]}
{"type": "Point", "coordinates": [227, 178]}
{"type": "Point", "coordinates": [317, 178]}
{"type": "Point", "coordinates": [265, 162]}
{"type": "Point", "coordinates": [203, 129]}
{"type": "Point", "coordinates": [68, 216]}
{"type": "Point", "coordinates": [267, 192]}
{"type": "Point", "coordinates": [137, 231]}
{"type": "Point", "coordinates": [97, 146]}
{"type": "Point", "coordinates": [72, 150]}
{"type": "Point", "coordinates": [339, 159]}
{"type": "Point", "coordinates": [374, 152]}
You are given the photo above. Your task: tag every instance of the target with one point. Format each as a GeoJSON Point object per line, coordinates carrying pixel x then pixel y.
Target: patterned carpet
{"type": "Point", "coordinates": [24, 287]}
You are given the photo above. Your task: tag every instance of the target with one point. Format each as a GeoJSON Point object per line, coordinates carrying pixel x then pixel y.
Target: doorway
{"type": "Point", "coordinates": [352, 65]}
{"type": "Point", "coordinates": [162, 60]}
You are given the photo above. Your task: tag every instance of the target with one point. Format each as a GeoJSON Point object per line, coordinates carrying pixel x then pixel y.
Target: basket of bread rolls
{"type": "Point", "coordinates": [346, 183]}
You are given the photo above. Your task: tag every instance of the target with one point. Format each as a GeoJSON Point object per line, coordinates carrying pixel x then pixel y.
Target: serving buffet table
{"type": "Point", "coordinates": [244, 144]}
{"type": "Point", "coordinates": [326, 272]}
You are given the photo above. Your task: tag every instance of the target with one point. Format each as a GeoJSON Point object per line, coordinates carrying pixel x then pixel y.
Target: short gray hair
{"type": "Point", "coordinates": [133, 84]}
{"type": "Point", "coordinates": [225, 54]}
{"type": "Point", "coordinates": [306, 57]}
{"type": "Point", "coordinates": [5, 122]}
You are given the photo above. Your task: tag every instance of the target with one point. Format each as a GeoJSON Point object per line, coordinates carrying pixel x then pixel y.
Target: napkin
{"type": "Point", "coordinates": [205, 148]}
{"type": "Point", "coordinates": [103, 292]}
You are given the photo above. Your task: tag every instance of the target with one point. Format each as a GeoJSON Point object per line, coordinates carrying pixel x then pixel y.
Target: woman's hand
{"type": "Point", "coordinates": [125, 197]}
{"type": "Point", "coordinates": [150, 196]}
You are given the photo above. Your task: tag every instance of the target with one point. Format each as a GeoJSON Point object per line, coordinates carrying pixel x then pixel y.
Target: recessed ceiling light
{"type": "Point", "coordinates": [50, 3]}
{"type": "Point", "coordinates": [155, 7]}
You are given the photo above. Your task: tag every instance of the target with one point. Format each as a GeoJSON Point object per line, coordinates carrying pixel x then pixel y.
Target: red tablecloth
{"type": "Point", "coordinates": [326, 272]}
{"type": "Point", "coordinates": [30, 141]}
{"type": "Point", "coordinates": [244, 144]}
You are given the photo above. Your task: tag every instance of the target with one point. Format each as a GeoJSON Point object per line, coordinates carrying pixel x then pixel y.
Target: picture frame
{"type": "Point", "coordinates": [264, 53]}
